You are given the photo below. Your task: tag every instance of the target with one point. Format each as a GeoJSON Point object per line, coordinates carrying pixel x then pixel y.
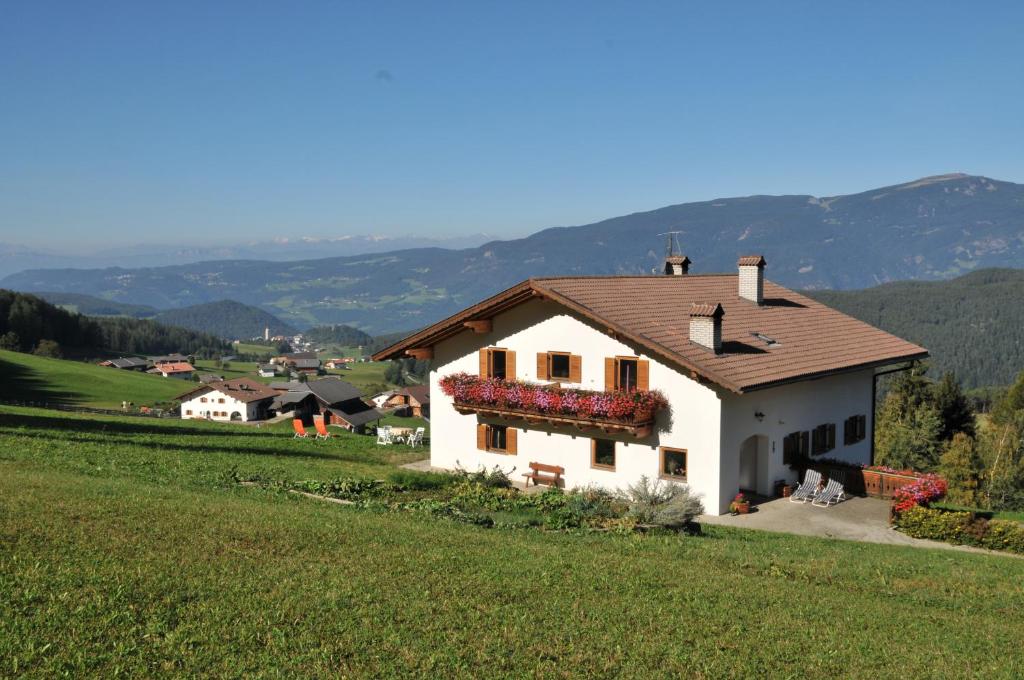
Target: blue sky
{"type": "Point", "coordinates": [203, 122]}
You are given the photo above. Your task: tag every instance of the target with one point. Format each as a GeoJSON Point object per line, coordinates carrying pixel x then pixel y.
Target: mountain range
{"type": "Point", "coordinates": [933, 228]}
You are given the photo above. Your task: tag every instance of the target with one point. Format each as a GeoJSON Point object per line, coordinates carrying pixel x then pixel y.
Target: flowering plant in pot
{"type": "Point", "coordinates": [740, 505]}
{"type": "Point", "coordinates": [628, 407]}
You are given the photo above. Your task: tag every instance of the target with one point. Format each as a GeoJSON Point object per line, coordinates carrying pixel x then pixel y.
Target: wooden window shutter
{"type": "Point", "coordinates": [510, 365]}
{"type": "Point", "coordinates": [484, 365]}
{"type": "Point", "coordinates": [542, 365]}
{"type": "Point", "coordinates": [575, 368]}
{"type": "Point", "coordinates": [643, 374]}
{"type": "Point", "coordinates": [831, 436]}
{"type": "Point", "coordinates": [805, 439]}
{"type": "Point", "coordinates": [481, 436]}
{"type": "Point", "coordinates": [511, 440]}
{"type": "Point", "coordinates": [609, 374]}
{"type": "Point", "coordinates": [847, 435]}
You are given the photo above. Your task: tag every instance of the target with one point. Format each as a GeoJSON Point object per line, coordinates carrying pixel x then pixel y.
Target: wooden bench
{"type": "Point", "coordinates": [537, 471]}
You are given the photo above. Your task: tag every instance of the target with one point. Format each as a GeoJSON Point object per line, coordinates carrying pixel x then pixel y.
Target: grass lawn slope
{"type": "Point", "coordinates": [25, 377]}
{"type": "Point", "coordinates": [125, 550]}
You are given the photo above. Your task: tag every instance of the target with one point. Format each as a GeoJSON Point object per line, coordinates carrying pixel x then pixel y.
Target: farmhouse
{"type": "Point", "coordinates": [339, 402]}
{"type": "Point", "coordinates": [127, 363]}
{"type": "Point", "coordinates": [718, 381]}
{"type": "Point", "coordinates": [413, 400]}
{"type": "Point", "coordinates": [241, 399]}
{"type": "Point", "coordinates": [267, 370]}
{"type": "Point", "coordinates": [182, 370]}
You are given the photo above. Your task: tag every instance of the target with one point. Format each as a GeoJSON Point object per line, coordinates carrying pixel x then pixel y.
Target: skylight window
{"type": "Point", "coordinates": [771, 342]}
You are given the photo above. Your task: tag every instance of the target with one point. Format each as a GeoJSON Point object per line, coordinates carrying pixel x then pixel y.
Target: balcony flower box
{"type": "Point", "coordinates": [623, 412]}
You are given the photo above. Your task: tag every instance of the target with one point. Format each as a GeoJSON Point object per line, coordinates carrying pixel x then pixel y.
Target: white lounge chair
{"type": "Point", "coordinates": [384, 436]}
{"type": "Point", "coordinates": [808, 489]}
{"type": "Point", "coordinates": [416, 438]}
{"type": "Point", "coordinates": [830, 495]}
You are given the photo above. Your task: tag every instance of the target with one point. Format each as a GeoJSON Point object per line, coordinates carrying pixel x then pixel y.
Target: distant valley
{"type": "Point", "coordinates": [933, 228]}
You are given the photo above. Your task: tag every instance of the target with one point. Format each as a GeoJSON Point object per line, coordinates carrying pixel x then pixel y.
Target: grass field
{"type": "Point", "coordinates": [124, 550]}
{"type": "Point", "coordinates": [25, 377]}
{"type": "Point", "coordinates": [367, 376]}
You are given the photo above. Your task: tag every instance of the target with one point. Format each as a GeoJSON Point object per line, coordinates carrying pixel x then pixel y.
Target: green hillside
{"type": "Point", "coordinates": [25, 377]}
{"type": "Point", "coordinates": [973, 325]}
{"type": "Point", "coordinates": [91, 305]}
{"type": "Point", "coordinates": [128, 549]}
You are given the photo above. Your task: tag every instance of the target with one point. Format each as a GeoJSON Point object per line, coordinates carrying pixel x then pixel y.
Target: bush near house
{"type": "Point", "coordinates": [962, 528]}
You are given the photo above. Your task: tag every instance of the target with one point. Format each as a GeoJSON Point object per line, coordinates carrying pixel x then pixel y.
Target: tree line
{"type": "Point", "coordinates": [931, 426]}
{"type": "Point", "coordinates": [30, 324]}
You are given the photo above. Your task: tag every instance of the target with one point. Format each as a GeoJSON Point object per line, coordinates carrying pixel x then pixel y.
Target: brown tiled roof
{"type": "Point", "coordinates": [790, 337]}
{"type": "Point", "coordinates": [242, 389]}
{"type": "Point", "coordinates": [706, 309]}
{"type": "Point", "coordinates": [752, 260]}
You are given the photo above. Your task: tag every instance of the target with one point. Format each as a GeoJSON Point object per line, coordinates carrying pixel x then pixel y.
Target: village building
{"type": "Point", "coordinates": [240, 400]}
{"type": "Point", "coordinates": [169, 359]}
{"type": "Point", "coordinates": [207, 378]}
{"type": "Point", "coordinates": [127, 363]}
{"type": "Point", "coordinates": [411, 401]}
{"type": "Point", "coordinates": [182, 370]}
{"type": "Point", "coordinates": [753, 378]}
{"type": "Point", "coordinates": [337, 401]}
{"type": "Point", "coordinates": [267, 370]}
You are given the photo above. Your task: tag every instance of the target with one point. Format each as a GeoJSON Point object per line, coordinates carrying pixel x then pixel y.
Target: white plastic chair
{"type": "Point", "coordinates": [384, 436]}
{"type": "Point", "coordinates": [416, 439]}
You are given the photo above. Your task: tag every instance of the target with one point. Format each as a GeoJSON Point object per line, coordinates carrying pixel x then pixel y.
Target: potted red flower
{"type": "Point", "coordinates": [740, 505]}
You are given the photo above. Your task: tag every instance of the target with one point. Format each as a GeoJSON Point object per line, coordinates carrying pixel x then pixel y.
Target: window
{"type": "Point", "coordinates": [823, 439]}
{"type": "Point", "coordinates": [188, 412]}
{"type": "Point", "coordinates": [795, 445]}
{"type": "Point", "coordinates": [854, 429]}
{"type": "Point", "coordinates": [202, 399]}
{"type": "Point", "coordinates": [559, 366]}
{"type": "Point", "coordinates": [499, 363]}
{"type": "Point", "coordinates": [221, 400]}
{"type": "Point", "coordinates": [626, 374]}
{"type": "Point", "coordinates": [673, 464]}
{"type": "Point", "coordinates": [496, 438]}
{"type": "Point", "coordinates": [602, 454]}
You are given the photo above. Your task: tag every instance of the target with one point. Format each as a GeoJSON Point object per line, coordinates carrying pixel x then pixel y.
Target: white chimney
{"type": "Point", "coordinates": [752, 278]}
{"type": "Point", "coordinates": [706, 325]}
{"type": "Point", "coordinates": [677, 265]}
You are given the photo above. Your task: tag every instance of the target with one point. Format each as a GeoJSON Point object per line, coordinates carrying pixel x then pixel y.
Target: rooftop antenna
{"type": "Point", "coordinates": [672, 243]}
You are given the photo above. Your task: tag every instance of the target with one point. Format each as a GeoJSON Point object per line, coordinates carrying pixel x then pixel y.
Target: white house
{"type": "Point", "coordinates": [182, 370]}
{"type": "Point", "coordinates": [755, 375]}
{"type": "Point", "coordinates": [241, 399]}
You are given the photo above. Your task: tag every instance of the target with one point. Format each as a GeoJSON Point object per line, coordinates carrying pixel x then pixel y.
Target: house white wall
{"type": "Point", "coordinates": [540, 326]}
{"type": "Point", "coordinates": [196, 408]}
{"type": "Point", "coordinates": [801, 406]}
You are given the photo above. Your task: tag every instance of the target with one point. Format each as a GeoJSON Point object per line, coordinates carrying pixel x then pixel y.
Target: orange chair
{"type": "Point", "coordinates": [321, 428]}
{"type": "Point", "coordinates": [300, 431]}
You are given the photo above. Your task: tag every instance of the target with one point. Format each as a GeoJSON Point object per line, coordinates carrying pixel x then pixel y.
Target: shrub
{"type": "Point", "coordinates": [412, 480]}
{"type": "Point", "coordinates": [668, 505]}
{"type": "Point", "coordinates": [962, 528]}
{"type": "Point", "coordinates": [495, 477]}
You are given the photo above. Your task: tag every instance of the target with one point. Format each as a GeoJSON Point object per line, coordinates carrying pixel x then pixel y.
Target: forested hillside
{"type": "Point", "coordinates": [342, 335]}
{"type": "Point", "coordinates": [31, 324]}
{"type": "Point", "coordinates": [973, 325]}
{"type": "Point", "coordinates": [225, 319]}
{"type": "Point", "coordinates": [91, 305]}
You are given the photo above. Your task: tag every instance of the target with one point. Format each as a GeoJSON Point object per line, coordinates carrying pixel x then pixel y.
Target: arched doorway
{"type": "Point", "coordinates": [236, 416]}
{"type": "Point", "coordinates": [754, 472]}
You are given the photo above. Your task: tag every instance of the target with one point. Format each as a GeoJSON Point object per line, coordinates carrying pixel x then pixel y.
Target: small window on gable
{"type": "Point", "coordinates": [499, 363]}
{"type": "Point", "coordinates": [602, 454]}
{"type": "Point", "coordinates": [221, 400]}
{"type": "Point", "coordinates": [559, 365]}
{"type": "Point", "coordinates": [202, 399]}
{"type": "Point", "coordinates": [625, 374]}
{"type": "Point", "coordinates": [673, 464]}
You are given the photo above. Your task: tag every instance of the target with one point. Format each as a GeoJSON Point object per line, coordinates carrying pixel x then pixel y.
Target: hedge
{"type": "Point", "coordinates": [962, 528]}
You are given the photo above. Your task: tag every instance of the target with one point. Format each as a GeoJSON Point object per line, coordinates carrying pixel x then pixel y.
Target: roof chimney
{"type": "Point", "coordinates": [706, 325]}
{"type": "Point", "coordinates": [752, 278]}
{"type": "Point", "coordinates": [677, 265]}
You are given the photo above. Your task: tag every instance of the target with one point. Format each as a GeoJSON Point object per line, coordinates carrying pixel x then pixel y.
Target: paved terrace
{"type": "Point", "coordinates": [855, 519]}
